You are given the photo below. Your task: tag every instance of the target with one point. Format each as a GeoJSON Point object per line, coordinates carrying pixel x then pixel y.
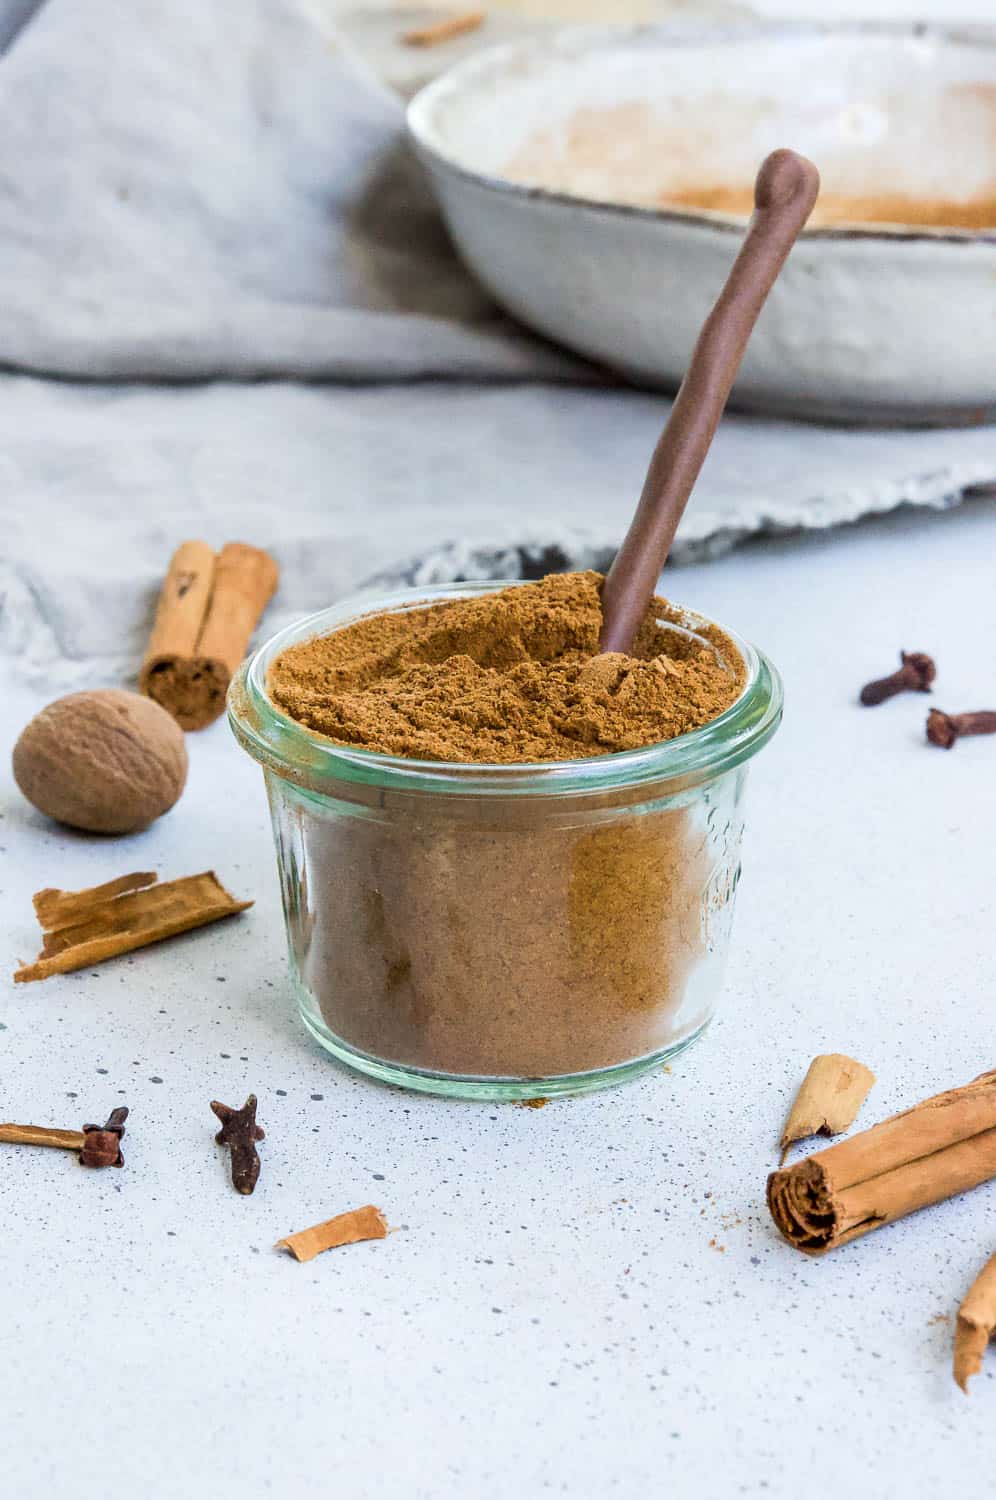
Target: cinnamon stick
{"type": "Point", "coordinates": [941, 1147]}
{"type": "Point", "coordinates": [208, 609]}
{"type": "Point", "coordinates": [832, 1092]}
{"type": "Point", "coordinates": [42, 1135]}
{"type": "Point", "coordinates": [976, 1324]}
{"type": "Point", "coordinates": [81, 928]}
{"type": "Point", "coordinates": [366, 1223]}
{"type": "Point", "coordinates": [444, 30]}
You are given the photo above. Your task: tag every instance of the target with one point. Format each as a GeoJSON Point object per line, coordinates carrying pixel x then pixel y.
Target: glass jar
{"type": "Point", "coordinates": [504, 931]}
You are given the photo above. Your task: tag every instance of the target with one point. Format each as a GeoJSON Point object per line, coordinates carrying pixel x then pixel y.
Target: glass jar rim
{"type": "Point", "coordinates": [301, 755]}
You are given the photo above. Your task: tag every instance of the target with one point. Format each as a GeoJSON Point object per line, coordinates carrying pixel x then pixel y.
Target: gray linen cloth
{"type": "Point", "coordinates": [218, 189]}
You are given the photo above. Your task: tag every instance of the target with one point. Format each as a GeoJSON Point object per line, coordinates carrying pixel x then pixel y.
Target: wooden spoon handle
{"type": "Point", "coordinates": [784, 195]}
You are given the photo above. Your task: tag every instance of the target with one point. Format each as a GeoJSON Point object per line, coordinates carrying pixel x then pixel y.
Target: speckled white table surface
{"type": "Point", "coordinates": [586, 1299]}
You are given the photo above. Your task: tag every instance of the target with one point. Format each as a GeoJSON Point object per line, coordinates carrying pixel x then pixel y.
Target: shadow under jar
{"type": "Point", "coordinates": [504, 931]}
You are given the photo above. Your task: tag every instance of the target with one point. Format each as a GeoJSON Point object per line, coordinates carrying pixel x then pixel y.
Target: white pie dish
{"type": "Point", "coordinates": [869, 321]}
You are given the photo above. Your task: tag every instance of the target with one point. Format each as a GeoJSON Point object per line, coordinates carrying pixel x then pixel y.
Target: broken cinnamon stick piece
{"type": "Point", "coordinates": [444, 30]}
{"type": "Point", "coordinates": [832, 1092]}
{"type": "Point", "coordinates": [86, 927]}
{"type": "Point", "coordinates": [58, 909]}
{"type": "Point", "coordinates": [366, 1223]}
{"type": "Point", "coordinates": [976, 1324]}
{"type": "Point", "coordinates": [941, 1147]}
{"type": "Point", "coordinates": [208, 609]}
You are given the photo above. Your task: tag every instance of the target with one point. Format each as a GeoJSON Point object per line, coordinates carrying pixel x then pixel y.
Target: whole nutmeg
{"type": "Point", "coordinates": [107, 761]}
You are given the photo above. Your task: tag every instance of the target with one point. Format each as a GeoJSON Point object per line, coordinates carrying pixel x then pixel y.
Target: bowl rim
{"type": "Point", "coordinates": [420, 122]}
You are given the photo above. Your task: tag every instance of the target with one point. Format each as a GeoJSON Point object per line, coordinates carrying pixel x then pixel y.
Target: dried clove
{"type": "Point", "coordinates": [915, 675]}
{"type": "Point", "coordinates": [102, 1143]}
{"type": "Point", "coordinates": [98, 1145]}
{"type": "Point", "coordinates": [239, 1132]}
{"type": "Point", "coordinates": [943, 729]}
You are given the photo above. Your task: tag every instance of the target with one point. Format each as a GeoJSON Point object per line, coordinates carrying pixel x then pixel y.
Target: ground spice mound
{"type": "Point", "coordinates": [508, 677]}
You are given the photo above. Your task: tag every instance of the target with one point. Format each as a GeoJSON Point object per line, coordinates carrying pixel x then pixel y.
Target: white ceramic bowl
{"type": "Point", "coordinates": [869, 321]}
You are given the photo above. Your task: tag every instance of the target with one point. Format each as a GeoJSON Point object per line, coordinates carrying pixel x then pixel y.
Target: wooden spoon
{"type": "Point", "coordinates": [784, 194]}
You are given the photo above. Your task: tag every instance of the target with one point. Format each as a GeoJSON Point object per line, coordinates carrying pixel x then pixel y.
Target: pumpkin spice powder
{"type": "Point", "coordinates": [496, 936]}
{"type": "Point", "coordinates": [509, 677]}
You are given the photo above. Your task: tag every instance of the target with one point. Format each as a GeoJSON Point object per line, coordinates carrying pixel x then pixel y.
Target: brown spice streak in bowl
{"type": "Point", "coordinates": [670, 155]}
{"type": "Point", "coordinates": [843, 208]}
